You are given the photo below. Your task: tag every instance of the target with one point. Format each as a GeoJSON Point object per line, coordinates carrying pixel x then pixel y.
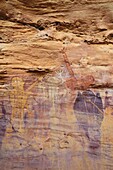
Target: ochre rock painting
{"type": "Point", "coordinates": [56, 85]}
{"type": "Point", "coordinates": [49, 125]}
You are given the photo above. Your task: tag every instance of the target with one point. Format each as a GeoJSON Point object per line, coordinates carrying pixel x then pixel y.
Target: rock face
{"type": "Point", "coordinates": [56, 80]}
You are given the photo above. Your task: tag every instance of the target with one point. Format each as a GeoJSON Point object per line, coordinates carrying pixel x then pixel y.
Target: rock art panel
{"type": "Point", "coordinates": [49, 123]}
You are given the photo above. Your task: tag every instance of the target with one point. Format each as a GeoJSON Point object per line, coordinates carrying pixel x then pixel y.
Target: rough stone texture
{"type": "Point", "coordinates": [56, 80]}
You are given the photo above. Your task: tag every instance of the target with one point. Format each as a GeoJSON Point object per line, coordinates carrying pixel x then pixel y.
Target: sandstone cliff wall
{"type": "Point", "coordinates": [56, 80]}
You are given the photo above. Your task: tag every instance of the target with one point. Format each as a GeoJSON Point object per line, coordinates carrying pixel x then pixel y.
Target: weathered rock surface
{"type": "Point", "coordinates": [56, 80]}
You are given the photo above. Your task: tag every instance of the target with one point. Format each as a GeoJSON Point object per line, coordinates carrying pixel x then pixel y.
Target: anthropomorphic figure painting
{"type": "Point", "coordinates": [18, 98]}
{"type": "Point", "coordinates": [73, 82]}
{"type": "Point", "coordinates": [107, 131]}
{"type": "Point", "coordinates": [88, 108]}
